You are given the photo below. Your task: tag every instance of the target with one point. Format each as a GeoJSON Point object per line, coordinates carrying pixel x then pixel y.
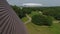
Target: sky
{"type": "Point", "coordinates": [43, 2]}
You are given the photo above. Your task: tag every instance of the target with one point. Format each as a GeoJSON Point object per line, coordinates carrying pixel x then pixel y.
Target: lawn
{"type": "Point", "coordinates": [55, 28]}
{"type": "Point", "coordinates": [34, 29]}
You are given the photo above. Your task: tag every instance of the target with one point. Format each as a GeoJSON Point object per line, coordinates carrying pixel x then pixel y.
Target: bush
{"type": "Point", "coordinates": [41, 20]}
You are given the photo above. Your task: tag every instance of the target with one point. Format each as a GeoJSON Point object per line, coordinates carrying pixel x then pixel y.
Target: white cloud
{"type": "Point", "coordinates": [31, 4]}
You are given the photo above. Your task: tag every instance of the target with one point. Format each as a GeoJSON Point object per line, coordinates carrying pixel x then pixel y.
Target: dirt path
{"type": "Point", "coordinates": [28, 18]}
{"type": "Point", "coordinates": [56, 21]}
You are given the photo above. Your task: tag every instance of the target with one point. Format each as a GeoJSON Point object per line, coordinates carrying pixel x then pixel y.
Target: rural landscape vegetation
{"type": "Point", "coordinates": [40, 20]}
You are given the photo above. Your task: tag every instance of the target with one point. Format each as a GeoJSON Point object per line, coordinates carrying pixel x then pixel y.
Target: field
{"type": "Point", "coordinates": [34, 29]}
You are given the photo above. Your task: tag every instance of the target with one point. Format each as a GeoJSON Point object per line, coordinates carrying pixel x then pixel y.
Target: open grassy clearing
{"type": "Point", "coordinates": [34, 29]}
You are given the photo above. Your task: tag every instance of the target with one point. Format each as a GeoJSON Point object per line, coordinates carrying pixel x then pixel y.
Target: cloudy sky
{"type": "Point", "coordinates": [43, 2]}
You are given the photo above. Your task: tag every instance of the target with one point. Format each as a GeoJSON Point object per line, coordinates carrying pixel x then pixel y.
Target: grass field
{"type": "Point", "coordinates": [34, 29]}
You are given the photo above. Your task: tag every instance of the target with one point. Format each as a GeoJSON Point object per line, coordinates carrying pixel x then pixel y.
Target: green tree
{"type": "Point", "coordinates": [42, 20]}
{"type": "Point", "coordinates": [18, 11]}
{"type": "Point", "coordinates": [52, 11]}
